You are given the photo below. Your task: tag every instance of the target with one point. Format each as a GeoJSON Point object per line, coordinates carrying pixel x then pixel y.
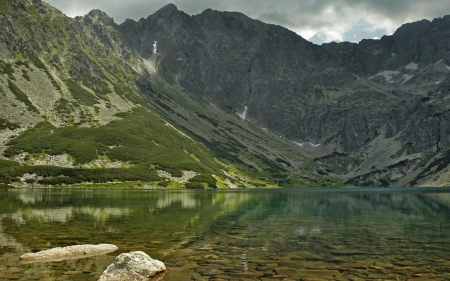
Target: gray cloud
{"type": "Point", "coordinates": [329, 19]}
{"type": "Point", "coordinates": [280, 18]}
{"type": "Point", "coordinates": [362, 29]}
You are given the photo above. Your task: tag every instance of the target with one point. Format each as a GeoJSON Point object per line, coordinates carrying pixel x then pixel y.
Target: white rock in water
{"type": "Point", "coordinates": [133, 266]}
{"type": "Point", "coordinates": [68, 253]}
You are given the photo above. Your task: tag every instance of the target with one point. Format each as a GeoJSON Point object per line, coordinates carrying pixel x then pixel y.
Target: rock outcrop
{"type": "Point", "coordinates": [68, 253]}
{"type": "Point", "coordinates": [133, 266]}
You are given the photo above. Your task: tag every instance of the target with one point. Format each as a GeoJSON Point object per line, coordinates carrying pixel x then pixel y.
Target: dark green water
{"type": "Point", "coordinates": [389, 234]}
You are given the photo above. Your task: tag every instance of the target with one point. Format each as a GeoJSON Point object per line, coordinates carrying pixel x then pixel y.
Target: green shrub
{"type": "Point", "coordinates": [318, 94]}
{"type": "Point", "coordinates": [21, 96]}
{"type": "Point", "coordinates": [36, 61]}
{"type": "Point", "coordinates": [7, 68]}
{"type": "Point", "coordinates": [195, 185]}
{"type": "Point", "coordinates": [59, 175]}
{"type": "Point", "coordinates": [205, 179]}
{"type": "Point", "coordinates": [6, 124]}
{"type": "Point", "coordinates": [23, 63]}
{"type": "Point", "coordinates": [7, 164]}
{"type": "Point", "coordinates": [63, 106]}
{"type": "Point", "coordinates": [141, 138]}
{"type": "Point", "coordinates": [53, 81]}
{"type": "Point", "coordinates": [81, 94]}
{"type": "Point", "coordinates": [163, 183]}
{"type": "Point", "coordinates": [101, 87]}
{"type": "Point", "coordinates": [25, 75]}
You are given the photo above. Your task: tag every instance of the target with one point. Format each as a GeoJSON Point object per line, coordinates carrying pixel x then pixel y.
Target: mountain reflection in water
{"type": "Point", "coordinates": [255, 234]}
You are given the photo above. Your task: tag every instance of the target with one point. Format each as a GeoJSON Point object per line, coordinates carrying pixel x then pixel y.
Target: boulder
{"type": "Point", "coordinates": [135, 266]}
{"type": "Point", "coordinates": [67, 253]}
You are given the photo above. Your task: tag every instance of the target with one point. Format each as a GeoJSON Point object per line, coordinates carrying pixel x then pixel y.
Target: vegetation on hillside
{"type": "Point", "coordinates": [89, 71]}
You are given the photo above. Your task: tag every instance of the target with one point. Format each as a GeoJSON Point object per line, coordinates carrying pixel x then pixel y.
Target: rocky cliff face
{"type": "Point", "coordinates": [350, 99]}
{"type": "Point", "coordinates": [411, 49]}
{"type": "Point", "coordinates": [88, 106]}
{"type": "Point", "coordinates": [412, 63]}
{"type": "Point", "coordinates": [373, 113]}
{"type": "Point", "coordinates": [237, 62]}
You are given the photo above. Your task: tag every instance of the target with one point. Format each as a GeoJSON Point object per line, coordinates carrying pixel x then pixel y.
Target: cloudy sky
{"type": "Point", "coordinates": [317, 20]}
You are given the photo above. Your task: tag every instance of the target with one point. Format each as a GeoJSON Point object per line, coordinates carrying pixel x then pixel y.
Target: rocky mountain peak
{"type": "Point", "coordinates": [169, 8]}
{"type": "Point", "coordinates": [442, 20]}
{"type": "Point", "coordinates": [413, 28]}
{"type": "Point", "coordinates": [157, 33]}
{"type": "Point", "coordinates": [223, 14]}
{"type": "Point", "coordinates": [98, 16]}
{"type": "Point", "coordinates": [129, 21]}
{"type": "Point", "coordinates": [169, 17]}
{"type": "Point", "coordinates": [227, 20]}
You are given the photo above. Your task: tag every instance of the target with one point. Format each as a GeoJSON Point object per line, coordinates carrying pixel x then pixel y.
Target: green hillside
{"type": "Point", "coordinates": [80, 108]}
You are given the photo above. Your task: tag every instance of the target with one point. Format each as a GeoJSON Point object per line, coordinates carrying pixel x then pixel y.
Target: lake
{"type": "Point", "coordinates": [280, 234]}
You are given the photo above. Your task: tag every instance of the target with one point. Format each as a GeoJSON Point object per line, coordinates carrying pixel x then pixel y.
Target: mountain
{"type": "Point", "coordinates": [413, 65]}
{"type": "Point", "coordinates": [217, 100]}
{"type": "Point", "coordinates": [79, 105]}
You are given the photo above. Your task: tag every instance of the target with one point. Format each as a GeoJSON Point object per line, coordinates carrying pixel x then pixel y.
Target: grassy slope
{"type": "Point", "coordinates": [245, 149]}
{"type": "Point", "coordinates": [140, 137]}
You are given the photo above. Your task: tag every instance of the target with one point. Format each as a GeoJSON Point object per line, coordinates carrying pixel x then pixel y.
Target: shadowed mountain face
{"type": "Point", "coordinates": [373, 113]}
{"type": "Point", "coordinates": [235, 61]}
{"type": "Point", "coordinates": [412, 47]}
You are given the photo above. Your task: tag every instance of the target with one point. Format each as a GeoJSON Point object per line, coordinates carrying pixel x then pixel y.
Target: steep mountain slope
{"type": "Point", "coordinates": [412, 63]}
{"type": "Point", "coordinates": [359, 125]}
{"type": "Point", "coordinates": [217, 99]}
{"type": "Point", "coordinates": [74, 118]}
{"type": "Point", "coordinates": [238, 63]}
{"type": "Point", "coordinates": [79, 105]}
{"type": "Point", "coordinates": [417, 53]}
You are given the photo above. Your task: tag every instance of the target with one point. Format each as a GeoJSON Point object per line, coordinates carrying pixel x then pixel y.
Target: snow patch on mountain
{"type": "Point", "coordinates": [155, 47]}
{"type": "Point", "coordinates": [412, 66]}
{"type": "Point", "coordinates": [149, 65]}
{"type": "Point", "coordinates": [299, 143]}
{"type": "Point", "coordinates": [243, 115]}
{"type": "Point", "coordinates": [387, 74]}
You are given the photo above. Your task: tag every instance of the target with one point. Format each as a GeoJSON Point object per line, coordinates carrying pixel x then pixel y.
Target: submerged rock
{"type": "Point", "coordinates": [134, 266]}
{"type": "Point", "coordinates": [68, 253]}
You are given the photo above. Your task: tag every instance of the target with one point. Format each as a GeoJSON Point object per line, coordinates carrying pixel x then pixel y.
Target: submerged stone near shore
{"type": "Point", "coordinates": [133, 266]}
{"type": "Point", "coordinates": [68, 253]}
